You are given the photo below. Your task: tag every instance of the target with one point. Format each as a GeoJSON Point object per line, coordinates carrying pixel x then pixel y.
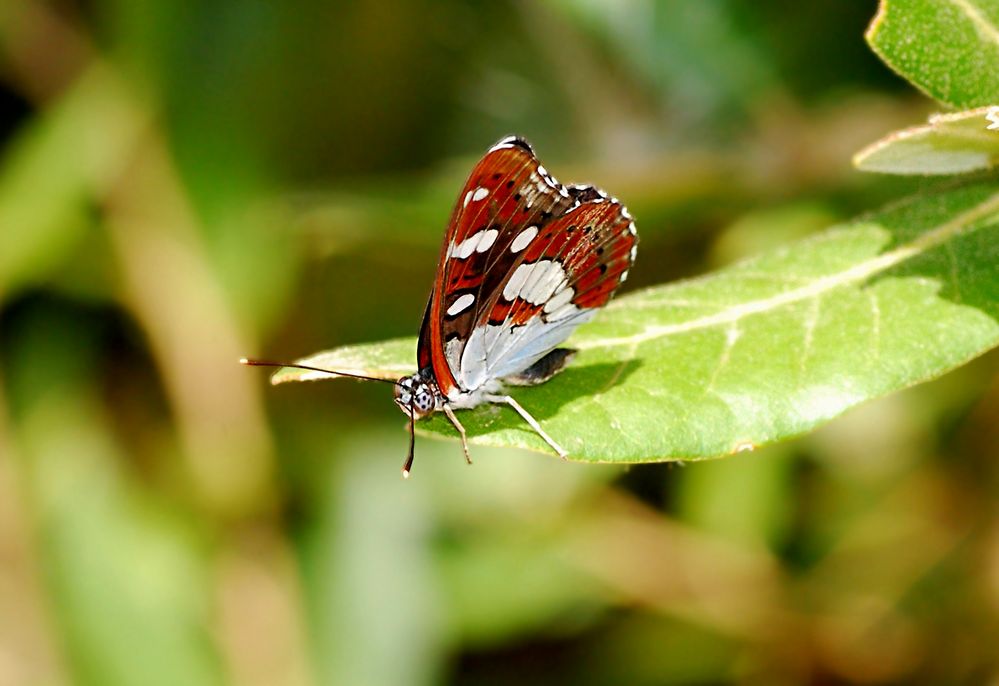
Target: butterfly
{"type": "Point", "coordinates": [525, 260]}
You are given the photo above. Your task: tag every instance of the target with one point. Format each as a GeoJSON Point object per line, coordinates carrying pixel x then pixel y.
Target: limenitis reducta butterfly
{"type": "Point", "coordinates": [525, 260]}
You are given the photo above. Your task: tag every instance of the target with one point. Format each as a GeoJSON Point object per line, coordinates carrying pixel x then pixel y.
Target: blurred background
{"type": "Point", "coordinates": [185, 183]}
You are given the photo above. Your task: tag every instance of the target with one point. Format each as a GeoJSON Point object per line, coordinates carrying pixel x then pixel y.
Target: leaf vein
{"type": "Point", "coordinates": [853, 275]}
{"type": "Point", "coordinates": [731, 336]}
{"type": "Point", "coordinates": [811, 322]}
{"type": "Point", "coordinates": [875, 325]}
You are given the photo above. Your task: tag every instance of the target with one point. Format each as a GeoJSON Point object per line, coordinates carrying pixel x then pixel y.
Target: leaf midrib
{"type": "Point", "coordinates": [857, 273]}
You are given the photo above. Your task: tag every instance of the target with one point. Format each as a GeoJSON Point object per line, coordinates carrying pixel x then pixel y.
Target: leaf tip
{"type": "Point", "coordinates": [872, 29]}
{"type": "Point", "coordinates": [861, 159]}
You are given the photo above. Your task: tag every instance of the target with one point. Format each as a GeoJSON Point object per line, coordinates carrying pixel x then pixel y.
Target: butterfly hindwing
{"type": "Point", "coordinates": [571, 269]}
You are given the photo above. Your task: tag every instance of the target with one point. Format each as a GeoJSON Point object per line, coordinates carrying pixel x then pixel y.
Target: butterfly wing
{"type": "Point", "coordinates": [520, 270]}
{"type": "Point", "coordinates": [506, 191]}
{"type": "Point", "coordinates": [569, 271]}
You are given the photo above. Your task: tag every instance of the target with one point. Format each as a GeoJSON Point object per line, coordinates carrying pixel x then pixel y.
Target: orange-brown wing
{"type": "Point", "coordinates": [507, 194]}
{"type": "Point", "coordinates": [570, 267]}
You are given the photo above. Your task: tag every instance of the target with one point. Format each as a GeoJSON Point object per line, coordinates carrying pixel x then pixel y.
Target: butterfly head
{"type": "Point", "coordinates": [417, 394]}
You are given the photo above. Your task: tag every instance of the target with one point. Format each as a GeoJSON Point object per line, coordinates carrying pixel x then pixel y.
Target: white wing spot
{"type": "Point", "coordinates": [546, 279]}
{"type": "Point", "coordinates": [523, 239]}
{"type": "Point", "coordinates": [468, 196]}
{"type": "Point", "coordinates": [487, 240]}
{"type": "Point", "coordinates": [465, 249]}
{"type": "Point", "coordinates": [542, 170]}
{"type": "Point", "coordinates": [512, 288]}
{"type": "Point", "coordinates": [480, 241]}
{"type": "Point", "coordinates": [535, 283]}
{"type": "Point", "coordinates": [563, 312]}
{"type": "Point", "coordinates": [561, 298]}
{"type": "Point", "coordinates": [461, 304]}
{"type": "Point", "coordinates": [624, 276]}
{"type": "Point", "coordinates": [480, 193]}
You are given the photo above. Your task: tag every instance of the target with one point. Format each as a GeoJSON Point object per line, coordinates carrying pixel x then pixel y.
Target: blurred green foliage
{"type": "Point", "coordinates": [186, 183]}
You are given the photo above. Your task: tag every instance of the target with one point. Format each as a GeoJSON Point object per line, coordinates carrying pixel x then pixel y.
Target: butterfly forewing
{"type": "Point", "coordinates": [524, 262]}
{"type": "Point", "coordinates": [506, 193]}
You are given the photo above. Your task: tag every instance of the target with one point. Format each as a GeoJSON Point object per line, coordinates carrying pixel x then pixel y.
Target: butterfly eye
{"type": "Point", "coordinates": [404, 390]}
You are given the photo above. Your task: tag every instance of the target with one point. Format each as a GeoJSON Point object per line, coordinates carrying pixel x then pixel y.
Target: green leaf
{"type": "Point", "coordinates": [388, 360]}
{"type": "Point", "coordinates": [949, 144]}
{"type": "Point", "coordinates": [947, 48]}
{"type": "Point", "coordinates": [764, 350]}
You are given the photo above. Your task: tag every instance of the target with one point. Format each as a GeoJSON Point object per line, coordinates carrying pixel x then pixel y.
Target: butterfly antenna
{"type": "Point", "coordinates": [412, 441]}
{"type": "Point", "coordinates": [270, 363]}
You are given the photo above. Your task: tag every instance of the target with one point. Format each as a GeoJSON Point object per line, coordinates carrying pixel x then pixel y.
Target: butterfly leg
{"type": "Point", "coordinates": [530, 420]}
{"type": "Point", "coordinates": [461, 431]}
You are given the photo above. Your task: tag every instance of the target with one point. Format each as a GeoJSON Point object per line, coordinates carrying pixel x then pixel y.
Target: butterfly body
{"type": "Point", "coordinates": [525, 260]}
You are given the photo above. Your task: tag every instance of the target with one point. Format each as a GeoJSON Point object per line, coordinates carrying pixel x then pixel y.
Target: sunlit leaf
{"type": "Point", "coordinates": [948, 48]}
{"type": "Point", "coordinates": [949, 144]}
{"type": "Point", "coordinates": [766, 349]}
{"type": "Point", "coordinates": [387, 360]}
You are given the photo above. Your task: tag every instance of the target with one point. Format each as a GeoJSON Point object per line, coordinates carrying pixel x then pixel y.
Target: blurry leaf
{"type": "Point", "coordinates": [128, 581]}
{"type": "Point", "coordinates": [745, 499]}
{"type": "Point", "coordinates": [708, 57]}
{"type": "Point", "coordinates": [645, 648]}
{"type": "Point", "coordinates": [503, 565]}
{"type": "Point", "coordinates": [50, 172]}
{"type": "Point", "coordinates": [768, 228]}
{"type": "Point", "coordinates": [764, 350]}
{"type": "Point", "coordinates": [370, 588]}
{"type": "Point", "coordinates": [129, 589]}
{"type": "Point", "coordinates": [949, 144]}
{"type": "Point", "coordinates": [513, 581]}
{"type": "Point", "coordinates": [947, 48]}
